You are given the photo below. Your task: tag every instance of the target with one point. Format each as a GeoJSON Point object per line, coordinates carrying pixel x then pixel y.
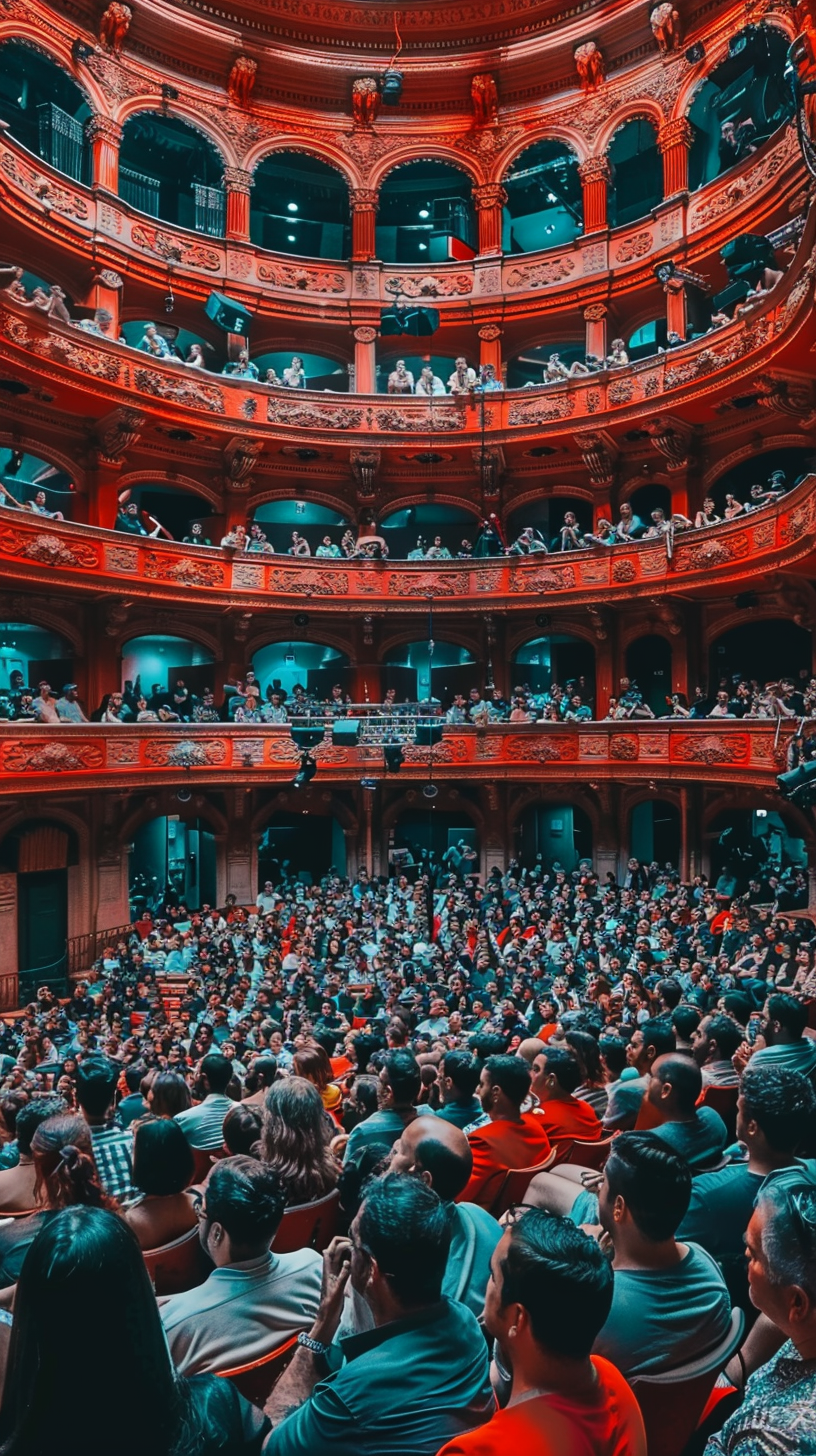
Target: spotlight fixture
{"type": "Point", "coordinates": [394, 757]}
{"type": "Point", "coordinates": [291, 207]}
{"type": "Point", "coordinates": [423, 212]}
{"type": "Point", "coordinates": [429, 791]}
{"type": "Point", "coordinates": [306, 772]}
{"type": "Point", "coordinates": [184, 796]}
{"type": "Point", "coordinates": [799, 784]}
{"type": "Point", "coordinates": [391, 87]}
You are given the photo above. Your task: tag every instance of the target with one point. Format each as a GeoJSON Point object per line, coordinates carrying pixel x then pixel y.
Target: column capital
{"type": "Point", "coordinates": [489, 194]}
{"type": "Point", "coordinates": [237, 180]}
{"type": "Point", "coordinates": [595, 169]}
{"type": "Point", "coordinates": [364, 199]}
{"type": "Point", "coordinates": [675, 133]}
{"type": "Point", "coordinates": [595, 311]}
{"type": "Point", "coordinates": [104, 128]}
{"type": "Point", "coordinates": [490, 332]}
{"type": "Point", "coordinates": [365, 334]}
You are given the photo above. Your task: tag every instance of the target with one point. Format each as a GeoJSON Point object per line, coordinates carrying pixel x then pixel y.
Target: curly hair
{"type": "Point", "coordinates": [295, 1138]}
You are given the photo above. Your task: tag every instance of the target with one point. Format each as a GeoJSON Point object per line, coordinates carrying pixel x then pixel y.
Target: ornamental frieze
{"type": "Point", "coordinates": [52, 757]}
{"type": "Point", "coordinates": [701, 555]}
{"type": "Point", "coordinates": [313, 280]}
{"type": "Point", "coordinates": [407, 286]}
{"type": "Point", "coordinates": [636, 246]}
{"type": "Point", "coordinates": [427, 584]}
{"type": "Point", "coordinates": [794, 525]}
{"type": "Point", "coordinates": [311, 416]}
{"type": "Point", "coordinates": [623, 748]}
{"type": "Point", "coordinates": [540, 749]}
{"type": "Point", "coordinates": [540, 275]}
{"type": "Point", "coordinates": [169, 753]}
{"type": "Point", "coordinates": [47, 549]}
{"type": "Point", "coordinates": [545, 578]}
{"type": "Point", "coordinates": [541, 411]}
{"type": "Point", "coordinates": [47, 192]}
{"type": "Point", "coordinates": [711, 749]}
{"type": "Point", "coordinates": [309, 583]}
{"type": "Point", "coordinates": [171, 246]}
{"type": "Point", "coordinates": [397, 422]}
{"type": "Point", "coordinates": [183, 390]}
{"type": "Point", "coordinates": [185, 572]}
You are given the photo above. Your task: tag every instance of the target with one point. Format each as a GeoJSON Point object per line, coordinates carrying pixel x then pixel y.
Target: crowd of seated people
{"type": "Point", "coordinates": [399, 1049]}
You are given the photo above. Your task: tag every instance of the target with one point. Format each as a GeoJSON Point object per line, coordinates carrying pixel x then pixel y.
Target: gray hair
{"type": "Point", "coordinates": [789, 1234]}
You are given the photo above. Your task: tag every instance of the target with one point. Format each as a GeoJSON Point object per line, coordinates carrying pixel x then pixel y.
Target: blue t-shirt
{"type": "Point", "coordinates": [662, 1318]}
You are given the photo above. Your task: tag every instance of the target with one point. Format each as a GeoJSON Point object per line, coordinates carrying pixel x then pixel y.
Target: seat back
{"type": "Point", "coordinates": [308, 1225]}
{"type": "Point", "coordinates": [724, 1101]}
{"type": "Point", "coordinates": [203, 1159]}
{"type": "Point", "coordinates": [590, 1155]}
{"type": "Point", "coordinates": [257, 1380]}
{"type": "Point", "coordinates": [673, 1402]}
{"type": "Point", "coordinates": [516, 1182]}
{"type": "Point", "coordinates": [178, 1266]}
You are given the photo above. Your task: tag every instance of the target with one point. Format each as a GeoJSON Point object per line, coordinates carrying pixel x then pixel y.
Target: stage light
{"type": "Point", "coordinates": [430, 791]}
{"type": "Point", "coordinates": [391, 87]}
{"type": "Point", "coordinates": [423, 212]}
{"type": "Point", "coordinates": [306, 772]}
{"type": "Point", "coordinates": [799, 784]}
{"type": "Point", "coordinates": [394, 757]}
{"type": "Point", "coordinates": [291, 207]}
{"type": "Point", "coordinates": [184, 796]}
{"type": "Point", "coordinates": [423, 247]}
{"type": "Point", "coordinates": [290, 237]}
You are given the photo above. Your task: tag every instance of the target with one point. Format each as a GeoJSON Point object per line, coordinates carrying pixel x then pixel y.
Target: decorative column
{"type": "Point", "coordinates": [594, 174]}
{"type": "Point", "coordinates": [674, 141]}
{"type": "Point", "coordinates": [490, 348]}
{"type": "Point", "coordinates": [488, 201]}
{"type": "Point", "coordinates": [103, 493]}
{"type": "Point", "coordinates": [364, 202]}
{"type": "Point", "coordinates": [365, 363]}
{"type": "Point", "coordinates": [106, 292]}
{"type": "Point", "coordinates": [104, 136]}
{"type": "Point", "coordinates": [238, 185]}
{"type": "Point", "coordinates": [595, 320]}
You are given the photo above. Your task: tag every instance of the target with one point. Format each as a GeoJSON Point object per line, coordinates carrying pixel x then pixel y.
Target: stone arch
{"type": "Point", "coordinates": [544, 132]}
{"type": "Point", "coordinates": [42, 616]}
{"type": "Point", "coordinates": [716, 53]}
{"type": "Point", "coordinates": [457, 636]}
{"type": "Point", "coordinates": [157, 807]}
{"type": "Point", "coordinates": [518, 637]}
{"type": "Point", "coordinates": [146, 626]}
{"type": "Point", "coordinates": [405, 156]}
{"type": "Point", "coordinates": [641, 108]}
{"type": "Point", "coordinates": [318, 636]}
{"type": "Point", "coordinates": [337, 808]}
{"type": "Point", "coordinates": [322, 151]}
{"type": "Point", "coordinates": [56, 48]}
{"type": "Point", "coordinates": [174, 480]}
{"type": "Point", "coordinates": [181, 111]}
{"type": "Point", "coordinates": [12, 439]}
{"type": "Point", "coordinates": [748, 451]}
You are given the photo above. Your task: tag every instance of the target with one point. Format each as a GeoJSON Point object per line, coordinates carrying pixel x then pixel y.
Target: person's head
{"type": "Point", "coordinates": [242, 1206]}
{"type": "Point", "coordinates": [83, 1270]}
{"type": "Point", "coordinates": [163, 1161]}
{"type": "Point", "coordinates": [785, 1020]}
{"type": "Point", "coordinates": [503, 1085]}
{"type": "Point", "coordinates": [685, 1020]}
{"type": "Point", "coordinates": [242, 1128]}
{"type": "Point", "coordinates": [215, 1073]}
{"type": "Point", "coordinates": [400, 1079]}
{"type": "Point", "coordinates": [95, 1086]}
{"type": "Point", "coordinates": [65, 1168]}
{"type": "Point", "coordinates": [295, 1137]}
{"type": "Point", "coordinates": [543, 1265]}
{"type": "Point", "coordinates": [669, 991]}
{"type": "Point", "coordinates": [168, 1094]}
{"type": "Point", "coordinates": [458, 1077]}
{"type": "Point", "coordinates": [312, 1062]}
{"type": "Point", "coordinates": [400, 1244]}
{"type": "Point", "coordinates": [29, 1118]}
{"type": "Point", "coordinates": [645, 1192]}
{"type": "Point", "coordinates": [556, 1074]}
{"type": "Point", "coordinates": [715, 1040]}
{"type": "Point", "coordinates": [648, 1042]}
{"type": "Point", "coordinates": [675, 1083]}
{"type": "Point", "coordinates": [781, 1247]}
{"type": "Point", "coordinates": [775, 1110]}
{"type": "Point", "coordinates": [436, 1151]}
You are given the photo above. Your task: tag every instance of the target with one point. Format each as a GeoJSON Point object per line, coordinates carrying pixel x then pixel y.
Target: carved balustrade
{"type": "Point", "coordinates": [70, 757]}
{"type": "Point", "coordinates": [91, 560]}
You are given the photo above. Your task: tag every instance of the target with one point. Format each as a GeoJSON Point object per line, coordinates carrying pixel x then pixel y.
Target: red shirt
{"type": "Point", "coordinates": [572, 1119]}
{"type": "Point", "coordinates": [551, 1425]}
{"type": "Point", "coordinates": [498, 1146]}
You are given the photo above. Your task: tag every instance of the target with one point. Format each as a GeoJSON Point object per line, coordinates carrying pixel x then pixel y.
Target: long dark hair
{"type": "Point", "coordinates": [84, 1278]}
{"type": "Point", "coordinates": [295, 1140]}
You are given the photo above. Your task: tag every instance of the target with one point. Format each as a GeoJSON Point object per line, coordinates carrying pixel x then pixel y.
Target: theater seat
{"type": "Point", "coordinates": [257, 1380]}
{"type": "Point", "coordinates": [308, 1225]}
{"type": "Point", "coordinates": [178, 1266]}
{"type": "Point", "coordinates": [517, 1181]}
{"type": "Point", "coordinates": [203, 1159]}
{"type": "Point", "coordinates": [590, 1155]}
{"type": "Point", "coordinates": [724, 1101]}
{"type": "Point", "coordinates": [672, 1403]}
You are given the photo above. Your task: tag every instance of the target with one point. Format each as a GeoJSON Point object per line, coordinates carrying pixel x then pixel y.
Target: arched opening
{"type": "Point", "coordinates": [156, 664]}
{"type": "Point", "coordinates": [279, 519]}
{"type": "Point", "coordinates": [767, 650]}
{"type": "Point", "coordinates": [793, 460]}
{"type": "Point", "coordinates": [30, 655]}
{"type": "Point", "coordinates": [441, 365]}
{"type": "Point", "coordinates": [530, 367]}
{"type": "Point", "coordinates": [747, 844]}
{"type": "Point", "coordinates": [317, 668]}
{"type": "Point", "coordinates": [556, 658]}
{"type": "Point", "coordinates": [637, 172]}
{"type": "Point", "coordinates": [171, 860]}
{"type": "Point", "coordinates": [44, 109]}
{"type": "Point", "coordinates": [561, 834]}
{"type": "Point", "coordinates": [433, 832]}
{"type": "Point", "coordinates": [300, 205]}
{"type": "Point", "coordinates": [179, 341]}
{"type": "Point", "coordinates": [654, 832]}
{"type": "Point", "coordinates": [319, 372]}
{"type": "Point", "coordinates": [544, 206]}
{"type": "Point", "coordinates": [45, 489]}
{"type": "Point", "coordinates": [649, 668]}
{"type": "Point", "coordinates": [405, 530]}
{"type": "Point", "coordinates": [425, 215]}
{"type": "Point", "coordinates": [175, 507]}
{"type": "Point", "coordinates": [42, 855]}
{"type": "Point", "coordinates": [547, 514]}
{"type": "Point", "coordinates": [646, 340]}
{"type": "Point", "coordinates": [302, 846]}
{"type": "Point", "coordinates": [648, 498]}
{"type": "Point", "coordinates": [417, 675]}
{"type": "Point", "coordinates": [169, 170]}
{"type": "Point", "coordinates": [740, 104]}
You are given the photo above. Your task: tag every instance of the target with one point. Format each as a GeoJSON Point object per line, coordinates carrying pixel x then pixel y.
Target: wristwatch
{"type": "Point", "coordinates": [316, 1346]}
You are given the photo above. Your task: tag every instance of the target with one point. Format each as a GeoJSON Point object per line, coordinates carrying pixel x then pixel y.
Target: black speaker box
{"type": "Point", "coordinates": [230, 316]}
{"type": "Point", "coordinates": [346, 731]}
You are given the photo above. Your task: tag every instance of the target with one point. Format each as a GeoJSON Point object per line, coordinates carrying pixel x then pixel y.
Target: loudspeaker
{"type": "Point", "coordinates": [346, 731]}
{"type": "Point", "coordinates": [391, 322]}
{"type": "Point", "coordinates": [307, 737]}
{"type": "Point", "coordinates": [733, 294]}
{"type": "Point", "coordinates": [427, 734]}
{"type": "Point", "coordinates": [420, 322]}
{"type": "Point", "coordinates": [230, 316]}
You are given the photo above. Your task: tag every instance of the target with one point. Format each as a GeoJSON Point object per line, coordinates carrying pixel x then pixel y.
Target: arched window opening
{"type": "Point", "coordinates": [654, 833]}
{"type": "Point", "coordinates": [431, 835]}
{"type": "Point", "coordinates": [159, 667]}
{"type": "Point", "coordinates": [177, 509]}
{"type": "Point", "coordinates": [753, 844]}
{"type": "Point", "coordinates": [300, 205]}
{"type": "Point", "coordinates": [303, 847]}
{"type": "Point", "coordinates": [315, 667]}
{"type": "Point", "coordinates": [418, 527]}
{"type": "Point", "coordinates": [318, 371]}
{"type": "Point", "coordinates": [279, 520]}
{"type": "Point", "coordinates": [767, 650]}
{"type": "Point", "coordinates": [637, 172]}
{"type": "Point", "coordinates": [530, 367]}
{"type": "Point", "coordinates": [418, 676]}
{"type": "Point", "coordinates": [45, 110]}
{"type": "Point", "coordinates": [649, 669]}
{"type": "Point", "coordinates": [169, 170]}
{"type": "Point", "coordinates": [544, 206]}
{"type": "Point", "coordinates": [793, 461]}
{"type": "Point", "coordinates": [648, 498]}
{"type": "Point", "coordinates": [744, 100]}
{"type": "Point", "coordinates": [557, 658]}
{"type": "Point", "coordinates": [171, 862]}
{"type": "Point", "coordinates": [442, 366]}
{"type": "Point", "coordinates": [558, 834]}
{"type": "Point", "coordinates": [425, 215]}
{"type": "Point", "coordinates": [30, 482]}
{"type": "Point", "coordinates": [30, 655]}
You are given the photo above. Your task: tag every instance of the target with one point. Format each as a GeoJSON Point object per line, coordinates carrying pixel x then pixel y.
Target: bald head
{"type": "Point", "coordinates": [434, 1150]}
{"type": "Point", "coordinates": [529, 1049]}
{"type": "Point", "coordinates": [675, 1083]}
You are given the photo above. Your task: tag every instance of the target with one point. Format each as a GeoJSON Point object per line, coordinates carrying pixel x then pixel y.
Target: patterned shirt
{"type": "Point", "coordinates": [776, 1417]}
{"type": "Point", "coordinates": [113, 1152]}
